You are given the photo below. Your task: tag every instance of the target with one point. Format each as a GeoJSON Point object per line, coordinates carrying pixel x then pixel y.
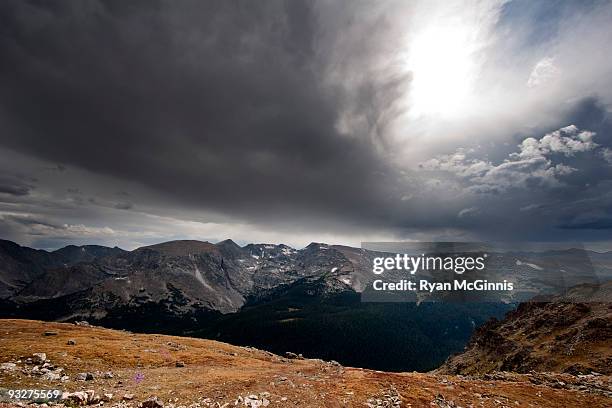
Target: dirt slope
{"type": "Point", "coordinates": [216, 373]}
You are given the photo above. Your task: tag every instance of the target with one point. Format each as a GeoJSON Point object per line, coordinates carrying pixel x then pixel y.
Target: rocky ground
{"type": "Point", "coordinates": [96, 366]}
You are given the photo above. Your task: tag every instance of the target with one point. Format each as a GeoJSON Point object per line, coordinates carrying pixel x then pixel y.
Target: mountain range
{"type": "Point", "coordinates": [269, 296]}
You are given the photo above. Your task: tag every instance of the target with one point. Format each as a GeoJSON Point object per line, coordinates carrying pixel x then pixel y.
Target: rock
{"type": "Point", "coordinates": [84, 377]}
{"type": "Point", "coordinates": [92, 398]}
{"type": "Point", "coordinates": [64, 378]}
{"type": "Point", "coordinates": [71, 342]}
{"type": "Point", "coordinates": [442, 402]}
{"type": "Point", "coordinates": [107, 397]}
{"type": "Point", "coordinates": [39, 358]}
{"type": "Point", "coordinates": [294, 356]}
{"type": "Point", "coordinates": [254, 401]}
{"type": "Point", "coordinates": [51, 376]}
{"type": "Point", "coordinates": [8, 366]}
{"type": "Point", "coordinates": [90, 395]}
{"type": "Point", "coordinates": [175, 346]}
{"type": "Point", "coordinates": [387, 398]}
{"type": "Point", "coordinates": [180, 364]}
{"type": "Point", "coordinates": [128, 397]}
{"type": "Point", "coordinates": [77, 398]}
{"type": "Point", "coordinates": [82, 323]}
{"type": "Point", "coordinates": [50, 333]}
{"type": "Point", "coordinates": [152, 402]}
{"type": "Point", "coordinates": [107, 375]}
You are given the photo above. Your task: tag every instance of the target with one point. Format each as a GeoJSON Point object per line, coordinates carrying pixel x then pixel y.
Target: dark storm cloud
{"type": "Point", "coordinates": [599, 224]}
{"type": "Point", "coordinates": [124, 205]}
{"type": "Point", "coordinates": [14, 186]}
{"type": "Point", "coordinates": [147, 120]}
{"type": "Point", "coordinates": [221, 104]}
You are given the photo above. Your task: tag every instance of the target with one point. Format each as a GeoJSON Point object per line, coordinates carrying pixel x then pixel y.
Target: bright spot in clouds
{"type": "Point", "coordinates": [442, 62]}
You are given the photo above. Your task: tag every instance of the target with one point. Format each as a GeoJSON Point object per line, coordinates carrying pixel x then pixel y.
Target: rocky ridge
{"type": "Point", "coordinates": [179, 277]}
{"type": "Point", "coordinates": [561, 334]}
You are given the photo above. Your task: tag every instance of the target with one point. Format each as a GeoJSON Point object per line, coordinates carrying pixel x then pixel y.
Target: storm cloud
{"type": "Point", "coordinates": [131, 122]}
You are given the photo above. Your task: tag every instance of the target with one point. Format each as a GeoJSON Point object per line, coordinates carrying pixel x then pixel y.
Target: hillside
{"type": "Point", "coordinates": [184, 371]}
{"type": "Point", "coordinates": [561, 334]}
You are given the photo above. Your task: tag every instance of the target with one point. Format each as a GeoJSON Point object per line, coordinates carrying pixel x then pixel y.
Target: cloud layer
{"type": "Point", "coordinates": [532, 166]}
{"type": "Point", "coordinates": [126, 123]}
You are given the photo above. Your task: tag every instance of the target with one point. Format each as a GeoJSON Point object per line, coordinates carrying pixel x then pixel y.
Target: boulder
{"type": "Point", "coordinates": [152, 402]}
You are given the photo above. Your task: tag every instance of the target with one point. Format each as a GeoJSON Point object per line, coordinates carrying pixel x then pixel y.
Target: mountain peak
{"type": "Point", "coordinates": [181, 247]}
{"type": "Point", "coordinates": [314, 245]}
{"type": "Point", "coordinates": [228, 243]}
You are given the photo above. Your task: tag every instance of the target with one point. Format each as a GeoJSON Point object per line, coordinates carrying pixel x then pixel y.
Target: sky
{"type": "Point", "coordinates": [131, 123]}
